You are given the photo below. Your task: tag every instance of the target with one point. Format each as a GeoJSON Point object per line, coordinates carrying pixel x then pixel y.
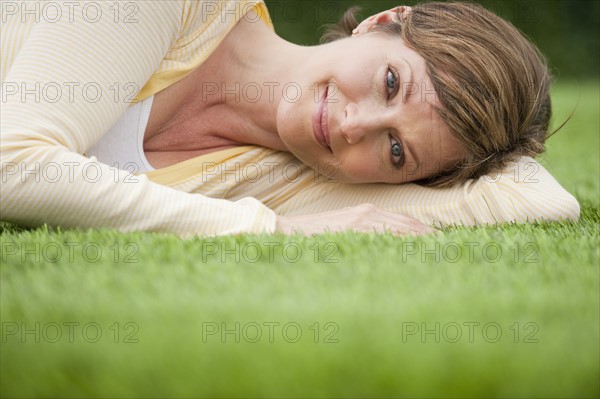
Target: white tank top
{"type": "Point", "coordinates": [123, 145]}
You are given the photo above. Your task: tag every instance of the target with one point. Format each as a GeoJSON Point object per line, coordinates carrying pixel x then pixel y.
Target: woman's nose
{"type": "Point", "coordinates": [359, 123]}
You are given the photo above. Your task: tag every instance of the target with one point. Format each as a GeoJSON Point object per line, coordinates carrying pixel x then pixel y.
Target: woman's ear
{"type": "Point", "coordinates": [382, 18]}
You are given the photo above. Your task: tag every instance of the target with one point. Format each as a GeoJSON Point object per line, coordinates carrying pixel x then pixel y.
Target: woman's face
{"type": "Point", "coordinates": [377, 123]}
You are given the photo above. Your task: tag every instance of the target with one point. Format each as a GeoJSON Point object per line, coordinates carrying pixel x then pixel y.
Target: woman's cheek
{"type": "Point", "coordinates": [361, 168]}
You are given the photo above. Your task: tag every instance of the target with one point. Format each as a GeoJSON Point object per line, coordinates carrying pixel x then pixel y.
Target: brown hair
{"type": "Point", "coordinates": [492, 82]}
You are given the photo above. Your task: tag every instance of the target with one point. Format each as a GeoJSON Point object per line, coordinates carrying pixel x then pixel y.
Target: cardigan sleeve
{"type": "Point", "coordinates": [68, 74]}
{"type": "Point", "coordinates": [522, 192]}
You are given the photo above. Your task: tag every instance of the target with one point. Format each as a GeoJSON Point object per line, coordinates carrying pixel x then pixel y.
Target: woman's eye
{"type": "Point", "coordinates": [396, 152]}
{"type": "Point", "coordinates": [391, 82]}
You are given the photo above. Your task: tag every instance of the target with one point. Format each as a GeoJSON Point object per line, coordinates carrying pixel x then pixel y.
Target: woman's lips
{"type": "Point", "coordinates": [320, 121]}
{"type": "Point", "coordinates": [325, 120]}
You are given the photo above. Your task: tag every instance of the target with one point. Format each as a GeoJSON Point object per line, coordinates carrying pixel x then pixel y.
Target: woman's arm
{"type": "Point", "coordinates": [68, 82]}
{"type": "Point", "coordinates": [523, 192]}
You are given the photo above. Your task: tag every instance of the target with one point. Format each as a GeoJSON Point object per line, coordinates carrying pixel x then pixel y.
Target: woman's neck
{"type": "Point", "coordinates": [240, 99]}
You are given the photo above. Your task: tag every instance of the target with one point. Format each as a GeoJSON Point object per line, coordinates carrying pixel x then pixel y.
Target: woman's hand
{"type": "Point", "coordinates": [381, 19]}
{"type": "Point", "coordinates": [365, 218]}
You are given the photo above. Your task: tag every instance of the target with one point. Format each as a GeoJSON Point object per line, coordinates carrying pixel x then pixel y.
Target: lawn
{"type": "Point", "coordinates": [505, 311]}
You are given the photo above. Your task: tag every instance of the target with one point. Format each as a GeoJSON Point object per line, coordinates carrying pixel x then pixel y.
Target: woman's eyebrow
{"type": "Point", "coordinates": [408, 86]}
{"type": "Point", "coordinates": [413, 153]}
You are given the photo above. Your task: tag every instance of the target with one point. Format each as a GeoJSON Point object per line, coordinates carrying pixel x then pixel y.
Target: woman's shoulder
{"type": "Point", "coordinates": [204, 26]}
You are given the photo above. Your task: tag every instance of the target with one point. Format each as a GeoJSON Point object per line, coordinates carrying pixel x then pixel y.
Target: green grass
{"type": "Point", "coordinates": [358, 301]}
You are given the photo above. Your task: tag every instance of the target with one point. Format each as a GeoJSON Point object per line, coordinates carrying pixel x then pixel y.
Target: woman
{"type": "Point", "coordinates": [388, 105]}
